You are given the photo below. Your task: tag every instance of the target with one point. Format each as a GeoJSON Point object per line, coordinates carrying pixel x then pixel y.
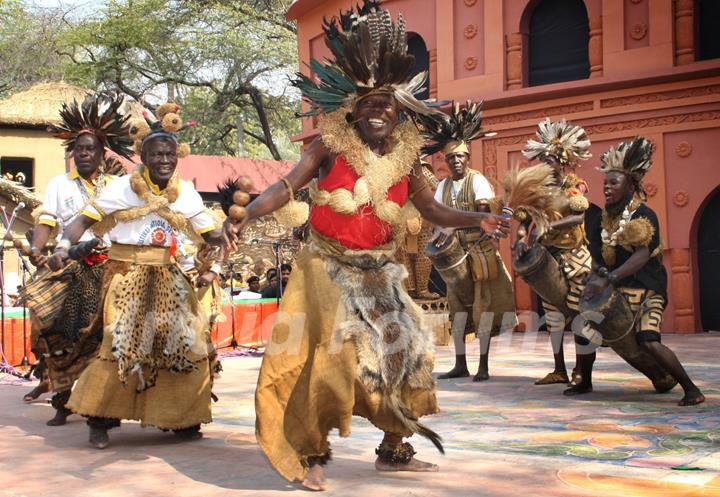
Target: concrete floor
{"type": "Point", "coordinates": [505, 437]}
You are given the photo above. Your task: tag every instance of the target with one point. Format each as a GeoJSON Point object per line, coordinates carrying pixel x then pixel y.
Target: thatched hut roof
{"type": "Point", "coordinates": [11, 194]}
{"type": "Point", "coordinates": [39, 105]}
{"type": "Point", "coordinates": [14, 193]}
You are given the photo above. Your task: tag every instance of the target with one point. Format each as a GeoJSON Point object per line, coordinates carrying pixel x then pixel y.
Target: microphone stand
{"type": "Point", "coordinates": [25, 362]}
{"type": "Point", "coordinates": [233, 342]}
{"type": "Point", "coordinates": [276, 248]}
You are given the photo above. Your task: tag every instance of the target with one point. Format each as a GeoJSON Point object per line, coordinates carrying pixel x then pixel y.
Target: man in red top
{"type": "Point", "coordinates": [348, 339]}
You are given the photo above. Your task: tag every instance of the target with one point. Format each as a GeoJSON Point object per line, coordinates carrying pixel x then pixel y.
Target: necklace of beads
{"type": "Point", "coordinates": [612, 238]}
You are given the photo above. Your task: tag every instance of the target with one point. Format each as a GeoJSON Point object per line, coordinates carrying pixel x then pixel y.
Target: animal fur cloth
{"type": "Point", "coordinates": [155, 336]}
{"type": "Point", "coordinates": [155, 321]}
{"type": "Point", "coordinates": [347, 340]}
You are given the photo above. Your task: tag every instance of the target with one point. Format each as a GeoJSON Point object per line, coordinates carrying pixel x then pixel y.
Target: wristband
{"type": "Point", "coordinates": [602, 271]}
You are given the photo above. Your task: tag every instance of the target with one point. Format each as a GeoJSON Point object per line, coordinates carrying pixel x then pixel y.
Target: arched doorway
{"type": "Point", "coordinates": [558, 38]}
{"type": "Point", "coordinates": [708, 253]}
{"type": "Point", "coordinates": [707, 17]}
{"type": "Point", "coordinates": [418, 48]}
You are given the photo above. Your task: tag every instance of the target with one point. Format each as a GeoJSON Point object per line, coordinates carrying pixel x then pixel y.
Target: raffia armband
{"type": "Point", "coordinates": [293, 213]}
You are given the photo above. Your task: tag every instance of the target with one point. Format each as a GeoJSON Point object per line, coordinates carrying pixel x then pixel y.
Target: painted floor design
{"type": "Point", "coordinates": [505, 437]}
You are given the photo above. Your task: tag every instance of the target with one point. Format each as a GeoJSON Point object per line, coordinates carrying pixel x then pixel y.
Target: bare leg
{"type": "Point", "coordinates": [99, 430]}
{"type": "Point", "coordinates": [61, 412]}
{"type": "Point", "coordinates": [670, 363]}
{"type": "Point", "coordinates": [483, 372]}
{"type": "Point", "coordinates": [43, 387]}
{"type": "Point", "coordinates": [556, 324]}
{"type": "Point", "coordinates": [460, 369]}
{"type": "Point", "coordinates": [584, 365]}
{"type": "Point", "coordinates": [394, 455]}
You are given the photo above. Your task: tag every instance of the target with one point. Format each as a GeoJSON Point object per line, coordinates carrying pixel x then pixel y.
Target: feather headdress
{"type": "Point", "coordinates": [452, 133]}
{"type": "Point", "coordinates": [98, 115]}
{"type": "Point", "coordinates": [562, 141]}
{"type": "Point", "coordinates": [633, 158]}
{"type": "Point", "coordinates": [529, 192]}
{"type": "Point", "coordinates": [369, 55]}
{"type": "Point", "coordinates": [165, 124]}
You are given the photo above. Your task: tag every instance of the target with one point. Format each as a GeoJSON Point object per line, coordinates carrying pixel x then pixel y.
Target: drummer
{"type": "Point", "coordinates": [493, 301]}
{"type": "Point", "coordinates": [627, 255]}
{"type": "Point", "coordinates": [90, 129]}
{"type": "Point", "coordinates": [563, 145]}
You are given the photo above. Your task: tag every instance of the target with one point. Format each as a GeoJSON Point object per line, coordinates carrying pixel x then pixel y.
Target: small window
{"type": "Point", "coordinates": [19, 169]}
{"type": "Point", "coordinates": [707, 15]}
{"type": "Point", "coordinates": [558, 42]}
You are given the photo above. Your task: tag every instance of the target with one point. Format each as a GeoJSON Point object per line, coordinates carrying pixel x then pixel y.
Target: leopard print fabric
{"type": "Point", "coordinates": [81, 304]}
{"type": "Point", "coordinates": [157, 323]}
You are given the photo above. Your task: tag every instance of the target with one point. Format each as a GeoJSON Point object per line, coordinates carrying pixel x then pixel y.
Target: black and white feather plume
{"type": "Point", "coordinates": [562, 141]}
{"type": "Point", "coordinates": [100, 115]}
{"type": "Point", "coordinates": [633, 158]}
{"type": "Point", "coordinates": [369, 54]}
{"type": "Point", "coordinates": [463, 124]}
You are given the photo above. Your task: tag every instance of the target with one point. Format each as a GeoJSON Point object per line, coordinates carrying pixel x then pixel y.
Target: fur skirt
{"type": "Point", "coordinates": [347, 340]}
{"type": "Point", "coordinates": [152, 364]}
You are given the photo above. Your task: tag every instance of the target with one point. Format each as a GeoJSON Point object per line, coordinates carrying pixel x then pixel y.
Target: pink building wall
{"type": "Point", "coordinates": [643, 80]}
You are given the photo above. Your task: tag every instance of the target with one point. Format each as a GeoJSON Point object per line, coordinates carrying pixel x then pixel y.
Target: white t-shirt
{"type": "Point", "coordinates": [65, 198]}
{"type": "Point", "coordinates": [150, 229]}
{"type": "Point", "coordinates": [482, 187]}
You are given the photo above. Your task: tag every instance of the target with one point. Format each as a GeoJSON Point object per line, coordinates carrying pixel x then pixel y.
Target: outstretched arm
{"type": "Point", "coordinates": [276, 195]}
{"type": "Point", "coordinates": [442, 215]}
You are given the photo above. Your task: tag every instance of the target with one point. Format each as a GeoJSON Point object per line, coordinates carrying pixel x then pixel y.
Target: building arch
{"type": "Point", "coordinates": [706, 244]}
{"type": "Point", "coordinates": [549, 27]}
{"type": "Point", "coordinates": [418, 48]}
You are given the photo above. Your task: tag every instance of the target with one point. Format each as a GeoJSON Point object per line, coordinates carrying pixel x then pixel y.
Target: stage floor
{"type": "Point", "coordinates": [505, 437]}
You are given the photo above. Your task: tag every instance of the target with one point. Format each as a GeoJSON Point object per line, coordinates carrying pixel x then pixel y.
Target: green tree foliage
{"type": "Point", "coordinates": [29, 43]}
{"type": "Point", "coordinates": [226, 63]}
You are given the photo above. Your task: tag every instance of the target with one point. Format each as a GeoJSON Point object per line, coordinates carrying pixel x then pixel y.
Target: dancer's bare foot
{"type": "Point", "coordinates": [456, 372]}
{"type": "Point", "coordinates": [692, 398]}
{"type": "Point", "coordinates": [43, 387]}
{"type": "Point", "coordinates": [315, 479]}
{"type": "Point", "coordinates": [482, 375]}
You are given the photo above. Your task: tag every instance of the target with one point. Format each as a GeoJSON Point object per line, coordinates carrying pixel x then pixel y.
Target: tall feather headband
{"type": "Point", "coordinates": [369, 55]}
{"type": "Point", "coordinates": [463, 125]}
{"type": "Point", "coordinates": [99, 115]}
{"type": "Point", "coordinates": [633, 158]}
{"type": "Point", "coordinates": [565, 142]}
